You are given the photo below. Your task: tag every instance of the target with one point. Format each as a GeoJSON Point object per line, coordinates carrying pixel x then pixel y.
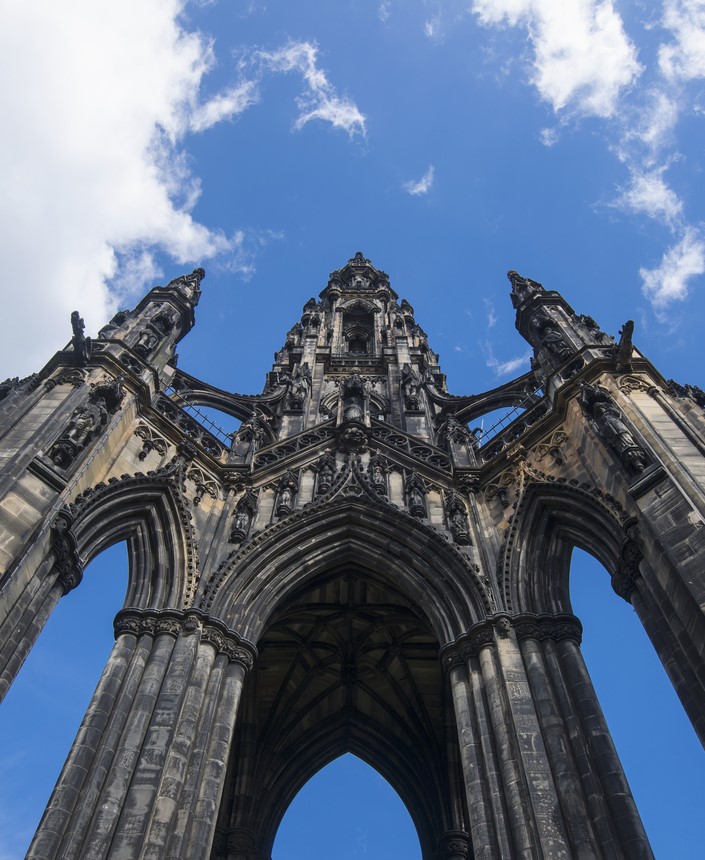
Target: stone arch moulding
{"type": "Point", "coordinates": [551, 519]}
{"type": "Point", "coordinates": [354, 530]}
{"type": "Point", "coordinates": [148, 512]}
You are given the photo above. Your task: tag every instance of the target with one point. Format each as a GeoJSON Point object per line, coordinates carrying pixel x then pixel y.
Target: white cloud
{"type": "Point", "coordinates": [433, 29]}
{"type": "Point", "coordinates": [505, 368]}
{"type": "Point", "coordinates": [669, 281]}
{"type": "Point", "coordinates": [648, 194]}
{"type": "Point", "coordinates": [421, 186]}
{"type": "Point", "coordinates": [491, 317]}
{"type": "Point", "coordinates": [548, 136]}
{"type": "Point", "coordinates": [96, 183]}
{"type": "Point", "coordinates": [384, 11]}
{"type": "Point", "coordinates": [583, 59]}
{"type": "Point", "coordinates": [684, 57]}
{"type": "Point", "coordinates": [654, 124]}
{"type": "Point", "coordinates": [320, 100]}
{"type": "Point", "coordinates": [225, 105]}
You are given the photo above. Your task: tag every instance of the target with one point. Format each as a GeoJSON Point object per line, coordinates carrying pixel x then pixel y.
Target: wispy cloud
{"type": "Point", "coordinates": [583, 64]}
{"type": "Point", "coordinates": [648, 194]}
{"type": "Point", "coordinates": [489, 310]}
{"type": "Point", "coordinates": [421, 186]}
{"type": "Point", "coordinates": [225, 105]}
{"type": "Point", "coordinates": [669, 281]}
{"type": "Point", "coordinates": [506, 368]}
{"type": "Point", "coordinates": [384, 11]}
{"type": "Point", "coordinates": [320, 100]}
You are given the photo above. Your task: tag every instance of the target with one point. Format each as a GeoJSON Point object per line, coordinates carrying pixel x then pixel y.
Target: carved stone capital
{"type": "Point", "coordinates": [524, 626]}
{"type": "Point", "coordinates": [175, 622]}
{"type": "Point", "coordinates": [453, 845]}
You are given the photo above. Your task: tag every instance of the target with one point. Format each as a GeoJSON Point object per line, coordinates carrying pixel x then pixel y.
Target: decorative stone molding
{"type": "Point", "coordinates": [629, 384]}
{"type": "Point", "coordinates": [552, 446]}
{"type": "Point", "coordinates": [205, 484]}
{"type": "Point", "coordinates": [453, 845]}
{"type": "Point", "coordinates": [525, 626]}
{"type": "Point", "coordinates": [625, 578]}
{"type": "Point", "coordinates": [70, 377]}
{"type": "Point", "coordinates": [151, 441]}
{"type": "Point", "coordinates": [173, 622]}
{"type": "Point", "coordinates": [68, 564]}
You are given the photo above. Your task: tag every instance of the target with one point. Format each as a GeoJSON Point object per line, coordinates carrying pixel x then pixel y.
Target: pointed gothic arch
{"type": "Point", "coordinates": [347, 663]}
{"type": "Point", "coordinates": [343, 528]}
{"type": "Point", "coordinates": [551, 518]}
{"type": "Point", "coordinates": [148, 512]}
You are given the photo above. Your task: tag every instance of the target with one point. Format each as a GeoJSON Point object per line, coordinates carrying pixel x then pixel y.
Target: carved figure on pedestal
{"type": "Point", "coordinates": [457, 516]}
{"type": "Point", "coordinates": [244, 515]}
{"type": "Point", "coordinates": [410, 388]}
{"type": "Point", "coordinates": [623, 350]}
{"type": "Point", "coordinates": [288, 486]}
{"type": "Point", "coordinates": [548, 335]}
{"type": "Point", "coordinates": [416, 496]}
{"type": "Point", "coordinates": [378, 469]}
{"type": "Point", "coordinates": [81, 344]}
{"type": "Point", "coordinates": [326, 473]}
{"type": "Point", "coordinates": [353, 390]}
{"type": "Point", "coordinates": [299, 387]}
{"type": "Point", "coordinates": [609, 423]}
{"type": "Point", "coordinates": [85, 422]}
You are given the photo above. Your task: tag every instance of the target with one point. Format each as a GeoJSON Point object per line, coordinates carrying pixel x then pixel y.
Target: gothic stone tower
{"type": "Point", "coordinates": [357, 571]}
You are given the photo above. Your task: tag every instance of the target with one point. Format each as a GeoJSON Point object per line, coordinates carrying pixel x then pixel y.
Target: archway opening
{"type": "Point", "coordinates": [347, 810]}
{"type": "Point", "coordinates": [44, 707]}
{"type": "Point", "coordinates": [660, 753]}
{"type": "Point", "coordinates": [347, 664]}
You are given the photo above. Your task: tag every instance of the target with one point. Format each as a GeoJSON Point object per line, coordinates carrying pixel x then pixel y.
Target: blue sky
{"type": "Point", "coordinates": [270, 141]}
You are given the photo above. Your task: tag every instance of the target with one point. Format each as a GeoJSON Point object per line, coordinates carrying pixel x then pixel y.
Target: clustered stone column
{"type": "Point", "coordinates": [32, 594]}
{"type": "Point", "coordinates": [542, 776]}
{"type": "Point", "coordinates": [145, 774]}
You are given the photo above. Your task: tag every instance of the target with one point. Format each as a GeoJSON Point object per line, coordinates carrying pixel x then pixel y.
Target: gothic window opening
{"type": "Point", "coordinates": [358, 332]}
{"type": "Point", "coordinates": [44, 707]}
{"type": "Point", "coordinates": [347, 810]}
{"type": "Point", "coordinates": [640, 706]}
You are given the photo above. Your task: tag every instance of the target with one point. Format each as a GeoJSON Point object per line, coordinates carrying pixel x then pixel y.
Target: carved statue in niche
{"type": "Point", "coordinates": [81, 344]}
{"type": "Point", "coordinates": [599, 405]}
{"type": "Point", "coordinates": [416, 496]}
{"type": "Point", "coordinates": [244, 515]}
{"type": "Point", "coordinates": [189, 285]}
{"type": "Point", "coordinates": [287, 488]}
{"type": "Point", "coordinates": [523, 288]}
{"type": "Point", "coordinates": [454, 431]}
{"type": "Point", "coordinates": [87, 421]}
{"type": "Point", "coordinates": [353, 399]}
{"type": "Point", "coordinates": [326, 473]}
{"type": "Point", "coordinates": [378, 469]}
{"type": "Point", "coordinates": [154, 332]}
{"type": "Point", "coordinates": [251, 433]}
{"type": "Point", "coordinates": [457, 517]}
{"type": "Point", "coordinates": [410, 388]}
{"type": "Point", "coordinates": [299, 387]}
{"type": "Point", "coordinates": [549, 335]}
